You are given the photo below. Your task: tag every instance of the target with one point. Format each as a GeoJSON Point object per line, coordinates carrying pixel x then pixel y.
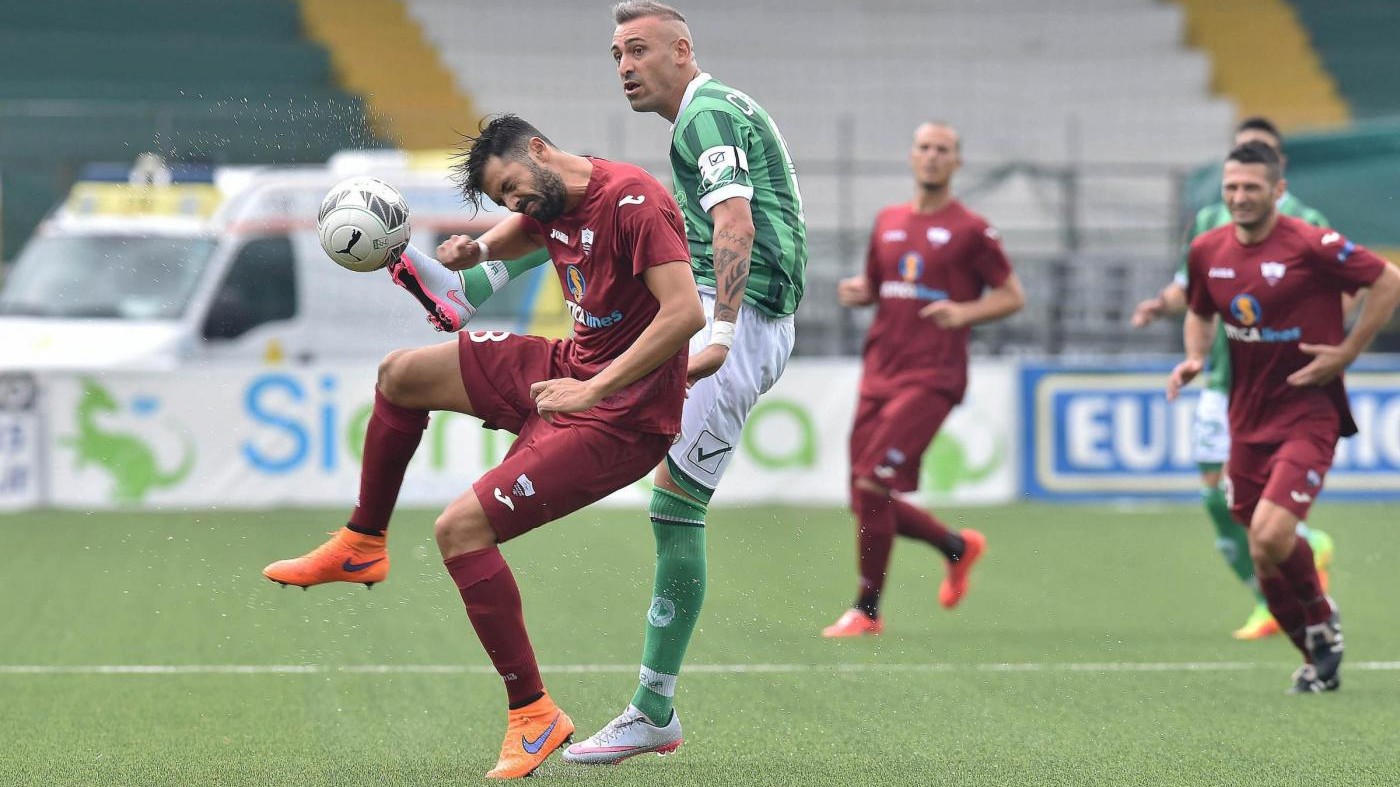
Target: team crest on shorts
{"type": "Point", "coordinates": [1314, 479]}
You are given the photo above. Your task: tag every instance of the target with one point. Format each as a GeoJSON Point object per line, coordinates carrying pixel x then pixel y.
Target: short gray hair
{"type": "Point", "coordinates": [638, 9]}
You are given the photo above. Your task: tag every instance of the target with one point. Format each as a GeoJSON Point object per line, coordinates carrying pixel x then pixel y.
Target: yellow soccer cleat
{"type": "Point", "coordinates": [347, 557]}
{"type": "Point", "coordinates": [532, 734]}
{"type": "Point", "coordinates": [1261, 624]}
{"type": "Point", "coordinates": [853, 623]}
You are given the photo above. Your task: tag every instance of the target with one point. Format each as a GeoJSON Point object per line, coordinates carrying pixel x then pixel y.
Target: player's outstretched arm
{"type": "Point", "coordinates": [1196, 333]}
{"type": "Point", "coordinates": [1376, 310]}
{"type": "Point", "coordinates": [1171, 300]}
{"type": "Point", "coordinates": [677, 319]}
{"type": "Point", "coordinates": [508, 240]}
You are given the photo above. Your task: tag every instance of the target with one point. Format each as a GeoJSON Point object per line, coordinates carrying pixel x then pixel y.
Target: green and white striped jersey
{"type": "Point", "coordinates": [724, 145]}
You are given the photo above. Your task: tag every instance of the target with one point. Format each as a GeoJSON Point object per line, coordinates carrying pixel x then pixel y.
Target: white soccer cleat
{"type": "Point", "coordinates": [627, 736]}
{"type": "Point", "coordinates": [439, 290]}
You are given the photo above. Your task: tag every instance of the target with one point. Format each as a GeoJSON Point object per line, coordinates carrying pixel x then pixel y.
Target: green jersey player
{"type": "Point", "coordinates": [735, 183]}
{"type": "Point", "coordinates": [1210, 430]}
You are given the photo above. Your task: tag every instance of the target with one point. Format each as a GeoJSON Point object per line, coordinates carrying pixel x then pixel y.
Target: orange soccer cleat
{"type": "Point", "coordinates": [854, 623]}
{"type": "Point", "coordinates": [532, 734]}
{"type": "Point", "coordinates": [954, 585]}
{"type": "Point", "coordinates": [347, 557]}
{"type": "Point", "coordinates": [1260, 625]}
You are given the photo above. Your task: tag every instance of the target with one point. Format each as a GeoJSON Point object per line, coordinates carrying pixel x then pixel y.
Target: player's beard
{"type": "Point", "coordinates": [1260, 220]}
{"type": "Point", "coordinates": [552, 195]}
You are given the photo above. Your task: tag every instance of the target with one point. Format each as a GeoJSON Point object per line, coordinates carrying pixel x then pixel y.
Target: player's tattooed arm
{"type": "Point", "coordinates": [733, 244]}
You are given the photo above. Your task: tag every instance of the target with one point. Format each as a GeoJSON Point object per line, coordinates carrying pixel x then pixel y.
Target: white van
{"type": "Point", "coordinates": [152, 267]}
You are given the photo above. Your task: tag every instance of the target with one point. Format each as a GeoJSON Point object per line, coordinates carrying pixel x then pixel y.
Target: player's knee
{"type": "Point", "coordinates": [393, 375]}
{"type": "Point", "coordinates": [463, 527]}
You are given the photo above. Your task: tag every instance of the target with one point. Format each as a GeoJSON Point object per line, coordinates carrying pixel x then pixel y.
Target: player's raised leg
{"type": "Point", "coordinates": [411, 383]}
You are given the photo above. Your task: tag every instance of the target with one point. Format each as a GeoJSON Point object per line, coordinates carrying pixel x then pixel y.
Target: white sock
{"type": "Point", "coordinates": [432, 274]}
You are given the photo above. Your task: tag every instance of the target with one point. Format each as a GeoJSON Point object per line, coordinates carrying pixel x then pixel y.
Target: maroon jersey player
{"type": "Point", "coordinates": [1276, 284]}
{"type": "Point", "coordinates": [933, 269]}
{"type": "Point", "coordinates": [594, 413]}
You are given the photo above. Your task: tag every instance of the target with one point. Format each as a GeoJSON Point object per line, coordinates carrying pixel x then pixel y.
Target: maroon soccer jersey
{"type": "Point", "coordinates": [626, 223]}
{"type": "Point", "coordinates": [1272, 295]}
{"type": "Point", "coordinates": [913, 260]}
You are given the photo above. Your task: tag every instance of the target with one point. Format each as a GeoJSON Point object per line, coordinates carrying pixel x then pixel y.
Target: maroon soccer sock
{"type": "Point", "coordinates": [874, 538]}
{"type": "Point", "coordinates": [1300, 571]}
{"type": "Point", "coordinates": [1286, 609]}
{"type": "Point", "coordinates": [393, 435]}
{"type": "Point", "coordinates": [914, 522]}
{"type": "Point", "coordinates": [493, 604]}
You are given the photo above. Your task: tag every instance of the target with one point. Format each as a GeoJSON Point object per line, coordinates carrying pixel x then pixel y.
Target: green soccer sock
{"type": "Point", "coordinates": [1231, 540]}
{"type": "Point", "coordinates": [678, 592]}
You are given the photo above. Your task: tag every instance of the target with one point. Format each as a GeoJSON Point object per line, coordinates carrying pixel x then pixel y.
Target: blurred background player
{"type": "Point", "coordinates": [613, 392]}
{"type": "Point", "coordinates": [1276, 283]}
{"type": "Point", "coordinates": [737, 186]}
{"type": "Point", "coordinates": [934, 269]}
{"type": "Point", "coordinates": [1210, 429]}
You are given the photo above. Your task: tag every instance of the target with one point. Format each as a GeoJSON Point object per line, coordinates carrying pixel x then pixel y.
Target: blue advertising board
{"type": "Point", "coordinates": [1101, 432]}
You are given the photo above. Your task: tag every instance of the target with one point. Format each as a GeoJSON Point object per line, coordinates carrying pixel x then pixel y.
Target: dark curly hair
{"type": "Point", "coordinates": [506, 136]}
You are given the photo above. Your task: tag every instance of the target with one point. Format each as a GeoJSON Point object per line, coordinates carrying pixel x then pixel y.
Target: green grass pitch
{"type": "Point", "coordinates": [1093, 649]}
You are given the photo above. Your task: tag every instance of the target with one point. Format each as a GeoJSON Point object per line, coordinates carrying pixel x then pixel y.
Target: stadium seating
{"type": "Point", "coordinates": [1357, 41]}
{"type": "Point", "coordinates": [1078, 112]}
{"type": "Point", "coordinates": [193, 79]}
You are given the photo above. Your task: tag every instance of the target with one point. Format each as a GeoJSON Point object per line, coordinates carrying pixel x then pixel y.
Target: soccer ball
{"type": "Point", "coordinates": [363, 224]}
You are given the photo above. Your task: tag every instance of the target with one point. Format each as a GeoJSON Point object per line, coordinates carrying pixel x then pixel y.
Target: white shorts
{"type": "Point", "coordinates": [1210, 431]}
{"type": "Point", "coordinates": [718, 405]}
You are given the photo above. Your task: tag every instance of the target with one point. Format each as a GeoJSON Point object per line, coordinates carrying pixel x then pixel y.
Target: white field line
{"type": "Point", "coordinates": [611, 669]}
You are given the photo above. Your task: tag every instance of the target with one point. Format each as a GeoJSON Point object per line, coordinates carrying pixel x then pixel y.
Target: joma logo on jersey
{"type": "Point", "coordinates": [1236, 333]}
{"type": "Point", "coordinates": [559, 236]}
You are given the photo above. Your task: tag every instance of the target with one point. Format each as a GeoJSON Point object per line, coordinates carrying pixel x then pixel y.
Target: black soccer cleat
{"type": "Point", "coordinates": [1324, 644]}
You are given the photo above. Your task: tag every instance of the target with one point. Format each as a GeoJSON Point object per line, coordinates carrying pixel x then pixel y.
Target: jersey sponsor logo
{"type": "Point", "coordinates": [559, 236]}
{"type": "Point", "coordinates": [1272, 271]}
{"type": "Point", "coordinates": [911, 291]}
{"type": "Point", "coordinates": [1221, 273]}
{"type": "Point", "coordinates": [586, 239]}
{"type": "Point", "coordinates": [1246, 309]}
{"type": "Point", "coordinates": [589, 320]}
{"type": "Point", "coordinates": [720, 166]}
{"type": "Point", "coordinates": [708, 452]}
{"type": "Point", "coordinates": [1267, 335]}
{"type": "Point", "coordinates": [632, 199]}
{"type": "Point", "coordinates": [939, 236]}
{"type": "Point", "coordinates": [894, 236]}
{"type": "Point", "coordinates": [573, 277]}
{"type": "Point", "coordinates": [911, 266]}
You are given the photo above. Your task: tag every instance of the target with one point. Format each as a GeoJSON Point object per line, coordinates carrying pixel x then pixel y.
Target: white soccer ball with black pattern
{"type": "Point", "coordinates": [363, 224]}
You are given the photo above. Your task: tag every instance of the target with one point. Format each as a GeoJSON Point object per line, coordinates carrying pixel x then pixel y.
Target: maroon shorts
{"type": "Point", "coordinates": [891, 434]}
{"type": "Point", "coordinates": [1287, 474]}
{"type": "Point", "coordinates": [551, 469]}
